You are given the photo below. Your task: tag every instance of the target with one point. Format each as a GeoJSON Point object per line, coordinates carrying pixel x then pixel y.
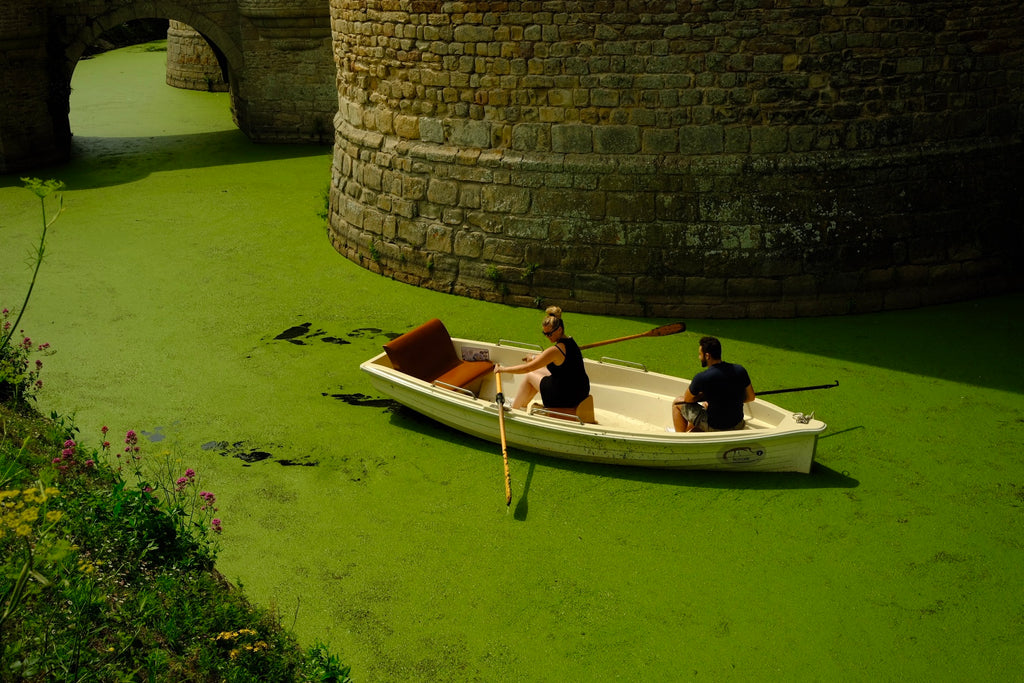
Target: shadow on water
{"type": "Point", "coordinates": [934, 341]}
{"type": "Point", "coordinates": [98, 162]}
{"type": "Point", "coordinates": [523, 506]}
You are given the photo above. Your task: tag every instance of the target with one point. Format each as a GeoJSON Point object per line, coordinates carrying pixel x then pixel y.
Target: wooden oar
{"type": "Point", "coordinates": [784, 391]}
{"type": "Point", "coordinates": [499, 398]}
{"type": "Point", "coordinates": [671, 328]}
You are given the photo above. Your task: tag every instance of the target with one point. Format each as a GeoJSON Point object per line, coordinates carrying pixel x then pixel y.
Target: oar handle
{"type": "Point", "coordinates": [499, 398]}
{"type": "Point", "coordinates": [671, 328]}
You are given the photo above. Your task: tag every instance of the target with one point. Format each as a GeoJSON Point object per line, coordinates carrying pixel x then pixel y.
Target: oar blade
{"type": "Point", "coordinates": [665, 330]}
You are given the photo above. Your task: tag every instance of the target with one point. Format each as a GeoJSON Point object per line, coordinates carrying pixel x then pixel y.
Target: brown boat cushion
{"type": "Point", "coordinates": [427, 353]}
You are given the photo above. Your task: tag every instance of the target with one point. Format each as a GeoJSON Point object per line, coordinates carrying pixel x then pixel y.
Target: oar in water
{"type": "Point", "coordinates": [785, 391]}
{"type": "Point", "coordinates": [499, 398]}
{"type": "Point", "coordinates": [671, 328]}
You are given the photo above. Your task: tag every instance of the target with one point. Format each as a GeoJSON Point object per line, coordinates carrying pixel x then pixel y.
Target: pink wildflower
{"type": "Point", "coordinates": [208, 500]}
{"type": "Point", "coordinates": [215, 525]}
{"type": "Point", "coordinates": [132, 441]}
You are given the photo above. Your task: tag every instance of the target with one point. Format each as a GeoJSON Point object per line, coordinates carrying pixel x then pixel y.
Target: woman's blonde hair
{"type": "Point", "coordinates": [554, 318]}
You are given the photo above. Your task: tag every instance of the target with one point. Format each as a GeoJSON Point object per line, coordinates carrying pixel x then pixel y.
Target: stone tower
{"type": "Point", "coordinates": [191, 62]}
{"type": "Point", "coordinates": [682, 157]}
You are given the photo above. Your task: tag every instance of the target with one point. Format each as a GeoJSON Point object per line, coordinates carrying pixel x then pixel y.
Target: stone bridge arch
{"type": "Point", "coordinates": [276, 57]}
{"type": "Point", "coordinates": [224, 44]}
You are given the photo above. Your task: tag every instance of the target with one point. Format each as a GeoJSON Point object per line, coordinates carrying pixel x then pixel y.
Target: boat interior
{"type": "Point", "coordinates": [624, 395]}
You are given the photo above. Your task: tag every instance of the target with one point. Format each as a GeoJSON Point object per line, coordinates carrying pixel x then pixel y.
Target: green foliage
{"type": "Point", "coordinates": [20, 365]}
{"type": "Point", "coordinates": [19, 376]}
{"type": "Point", "coordinates": [321, 665]}
{"type": "Point", "coordinates": [107, 571]}
{"type": "Point", "coordinates": [325, 195]}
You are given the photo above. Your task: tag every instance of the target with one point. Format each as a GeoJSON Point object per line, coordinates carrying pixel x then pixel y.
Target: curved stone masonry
{"type": "Point", "coordinates": [693, 159]}
{"type": "Point", "coordinates": [191, 62]}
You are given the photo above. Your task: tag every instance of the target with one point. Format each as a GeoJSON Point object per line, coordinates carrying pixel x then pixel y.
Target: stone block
{"type": "Point", "coordinates": [660, 141]}
{"type": "Point", "coordinates": [431, 130]}
{"type": "Point", "coordinates": [617, 139]}
{"type": "Point", "coordinates": [505, 199]}
{"type": "Point", "coordinates": [443, 192]}
{"type": "Point", "coordinates": [571, 139]}
{"type": "Point", "coordinates": [709, 139]}
{"type": "Point", "coordinates": [407, 126]}
{"type": "Point", "coordinates": [471, 133]}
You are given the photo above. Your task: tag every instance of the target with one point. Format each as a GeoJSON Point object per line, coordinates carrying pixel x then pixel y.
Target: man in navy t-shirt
{"type": "Point", "coordinates": [723, 388]}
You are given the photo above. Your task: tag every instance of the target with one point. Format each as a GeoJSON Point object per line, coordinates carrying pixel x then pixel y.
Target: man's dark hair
{"type": "Point", "coordinates": [712, 347]}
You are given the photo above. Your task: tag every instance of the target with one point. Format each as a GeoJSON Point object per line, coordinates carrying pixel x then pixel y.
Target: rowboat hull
{"type": "Point", "coordinates": [632, 408]}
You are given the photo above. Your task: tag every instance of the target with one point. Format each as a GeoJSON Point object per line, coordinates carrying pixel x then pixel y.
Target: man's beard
{"type": "Point", "coordinates": [704, 363]}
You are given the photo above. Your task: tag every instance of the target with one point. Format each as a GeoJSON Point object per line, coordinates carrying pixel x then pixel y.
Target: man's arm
{"type": "Point", "coordinates": [690, 397]}
{"type": "Point", "coordinates": [750, 394]}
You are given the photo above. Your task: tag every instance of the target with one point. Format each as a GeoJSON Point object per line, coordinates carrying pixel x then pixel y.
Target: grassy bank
{"type": "Point", "coordinates": [108, 570]}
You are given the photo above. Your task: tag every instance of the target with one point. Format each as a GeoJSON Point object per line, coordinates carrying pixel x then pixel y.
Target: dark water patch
{"type": "Point", "coordinates": [248, 455]}
{"type": "Point", "coordinates": [295, 331]}
{"type": "Point", "coordinates": [366, 401]}
{"type": "Point", "coordinates": [154, 436]}
{"type": "Point", "coordinates": [298, 334]}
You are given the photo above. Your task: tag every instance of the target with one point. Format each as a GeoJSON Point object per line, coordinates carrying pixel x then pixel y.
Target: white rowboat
{"type": "Point", "coordinates": [631, 412]}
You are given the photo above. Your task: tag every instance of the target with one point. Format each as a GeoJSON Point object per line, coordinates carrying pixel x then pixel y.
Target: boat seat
{"type": "Point", "coordinates": [428, 353]}
{"type": "Point", "coordinates": [584, 411]}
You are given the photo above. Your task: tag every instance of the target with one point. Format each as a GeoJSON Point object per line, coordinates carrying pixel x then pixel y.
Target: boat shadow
{"type": "Point", "coordinates": [821, 476]}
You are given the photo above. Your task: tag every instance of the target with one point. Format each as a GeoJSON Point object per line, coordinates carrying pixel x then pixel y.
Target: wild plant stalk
{"type": "Point", "coordinates": [42, 189]}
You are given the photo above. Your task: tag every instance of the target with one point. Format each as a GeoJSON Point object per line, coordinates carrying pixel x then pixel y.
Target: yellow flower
{"type": "Point", "coordinates": [54, 515]}
{"type": "Point", "coordinates": [23, 530]}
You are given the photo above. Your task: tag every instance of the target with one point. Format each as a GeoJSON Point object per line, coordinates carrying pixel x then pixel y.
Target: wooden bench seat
{"type": "Point", "coordinates": [584, 411]}
{"type": "Point", "coordinates": [428, 353]}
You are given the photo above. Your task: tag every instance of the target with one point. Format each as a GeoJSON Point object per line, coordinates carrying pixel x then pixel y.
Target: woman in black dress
{"type": "Point", "coordinates": [557, 372]}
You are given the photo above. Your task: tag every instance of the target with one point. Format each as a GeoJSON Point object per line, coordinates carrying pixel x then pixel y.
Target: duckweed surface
{"type": "Point", "coordinates": [191, 295]}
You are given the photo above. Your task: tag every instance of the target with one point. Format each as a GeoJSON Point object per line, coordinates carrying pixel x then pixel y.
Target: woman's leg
{"type": "Point", "coordinates": [529, 387]}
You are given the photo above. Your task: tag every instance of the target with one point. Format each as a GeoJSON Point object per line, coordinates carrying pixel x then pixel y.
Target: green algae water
{"type": "Point", "coordinates": [192, 295]}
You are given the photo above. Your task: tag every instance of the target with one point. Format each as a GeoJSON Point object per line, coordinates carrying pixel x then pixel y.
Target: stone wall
{"type": "Point", "coordinates": [288, 61]}
{"type": "Point", "coordinates": [191, 62]}
{"type": "Point", "coordinates": [27, 129]}
{"type": "Point", "coordinates": [746, 158]}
